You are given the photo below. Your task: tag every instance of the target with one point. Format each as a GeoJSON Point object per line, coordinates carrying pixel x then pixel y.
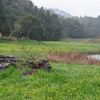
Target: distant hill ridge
{"type": "Point", "coordinates": [60, 12]}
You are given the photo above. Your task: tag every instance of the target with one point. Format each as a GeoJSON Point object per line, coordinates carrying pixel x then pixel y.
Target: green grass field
{"type": "Point", "coordinates": [64, 82]}
{"type": "Point", "coordinates": [42, 47]}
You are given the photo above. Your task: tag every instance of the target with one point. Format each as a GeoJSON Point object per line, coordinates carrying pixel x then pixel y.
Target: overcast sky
{"type": "Point", "coordinates": [74, 7]}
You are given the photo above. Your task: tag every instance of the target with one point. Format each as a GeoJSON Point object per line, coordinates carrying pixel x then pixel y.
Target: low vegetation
{"type": "Point", "coordinates": [27, 47]}
{"type": "Point", "coordinates": [73, 58]}
{"type": "Point", "coordinates": [64, 81]}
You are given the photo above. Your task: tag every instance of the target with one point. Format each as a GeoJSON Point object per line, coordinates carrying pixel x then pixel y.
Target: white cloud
{"type": "Point", "coordinates": [74, 7]}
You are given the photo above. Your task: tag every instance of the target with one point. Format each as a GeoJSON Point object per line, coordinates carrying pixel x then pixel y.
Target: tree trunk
{"type": "Point", "coordinates": [28, 34]}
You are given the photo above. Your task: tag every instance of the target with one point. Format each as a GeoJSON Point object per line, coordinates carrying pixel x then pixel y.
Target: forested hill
{"type": "Point", "coordinates": [14, 9]}
{"type": "Point", "coordinates": [92, 25]}
{"type": "Point", "coordinates": [27, 20]}
{"type": "Point", "coordinates": [24, 19]}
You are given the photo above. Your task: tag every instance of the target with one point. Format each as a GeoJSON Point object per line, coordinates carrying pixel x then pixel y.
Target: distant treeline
{"type": "Point", "coordinates": [21, 18]}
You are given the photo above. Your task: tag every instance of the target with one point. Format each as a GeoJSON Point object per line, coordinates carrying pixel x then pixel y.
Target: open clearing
{"type": "Point", "coordinates": [42, 47]}
{"type": "Point", "coordinates": [64, 82]}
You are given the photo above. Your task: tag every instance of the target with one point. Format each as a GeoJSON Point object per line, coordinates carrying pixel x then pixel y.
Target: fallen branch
{"type": "Point", "coordinates": [37, 64]}
{"type": "Point", "coordinates": [5, 61]}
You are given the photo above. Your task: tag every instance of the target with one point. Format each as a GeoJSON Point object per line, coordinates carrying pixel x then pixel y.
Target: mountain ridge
{"type": "Point", "coordinates": [59, 12]}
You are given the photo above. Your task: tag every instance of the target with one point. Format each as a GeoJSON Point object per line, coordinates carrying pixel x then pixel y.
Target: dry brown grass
{"type": "Point", "coordinates": [9, 38]}
{"type": "Point", "coordinates": [73, 58]}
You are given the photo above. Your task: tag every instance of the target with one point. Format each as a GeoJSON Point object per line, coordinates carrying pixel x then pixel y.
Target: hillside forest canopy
{"type": "Point", "coordinates": [21, 18]}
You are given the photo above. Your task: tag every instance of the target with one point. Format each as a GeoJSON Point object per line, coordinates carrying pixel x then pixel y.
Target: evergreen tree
{"type": "Point", "coordinates": [29, 27]}
{"type": "Point", "coordinates": [4, 29]}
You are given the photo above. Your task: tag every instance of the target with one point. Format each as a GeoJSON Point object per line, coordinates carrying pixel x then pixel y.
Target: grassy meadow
{"type": "Point", "coordinates": [33, 47]}
{"type": "Point", "coordinates": [63, 82]}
